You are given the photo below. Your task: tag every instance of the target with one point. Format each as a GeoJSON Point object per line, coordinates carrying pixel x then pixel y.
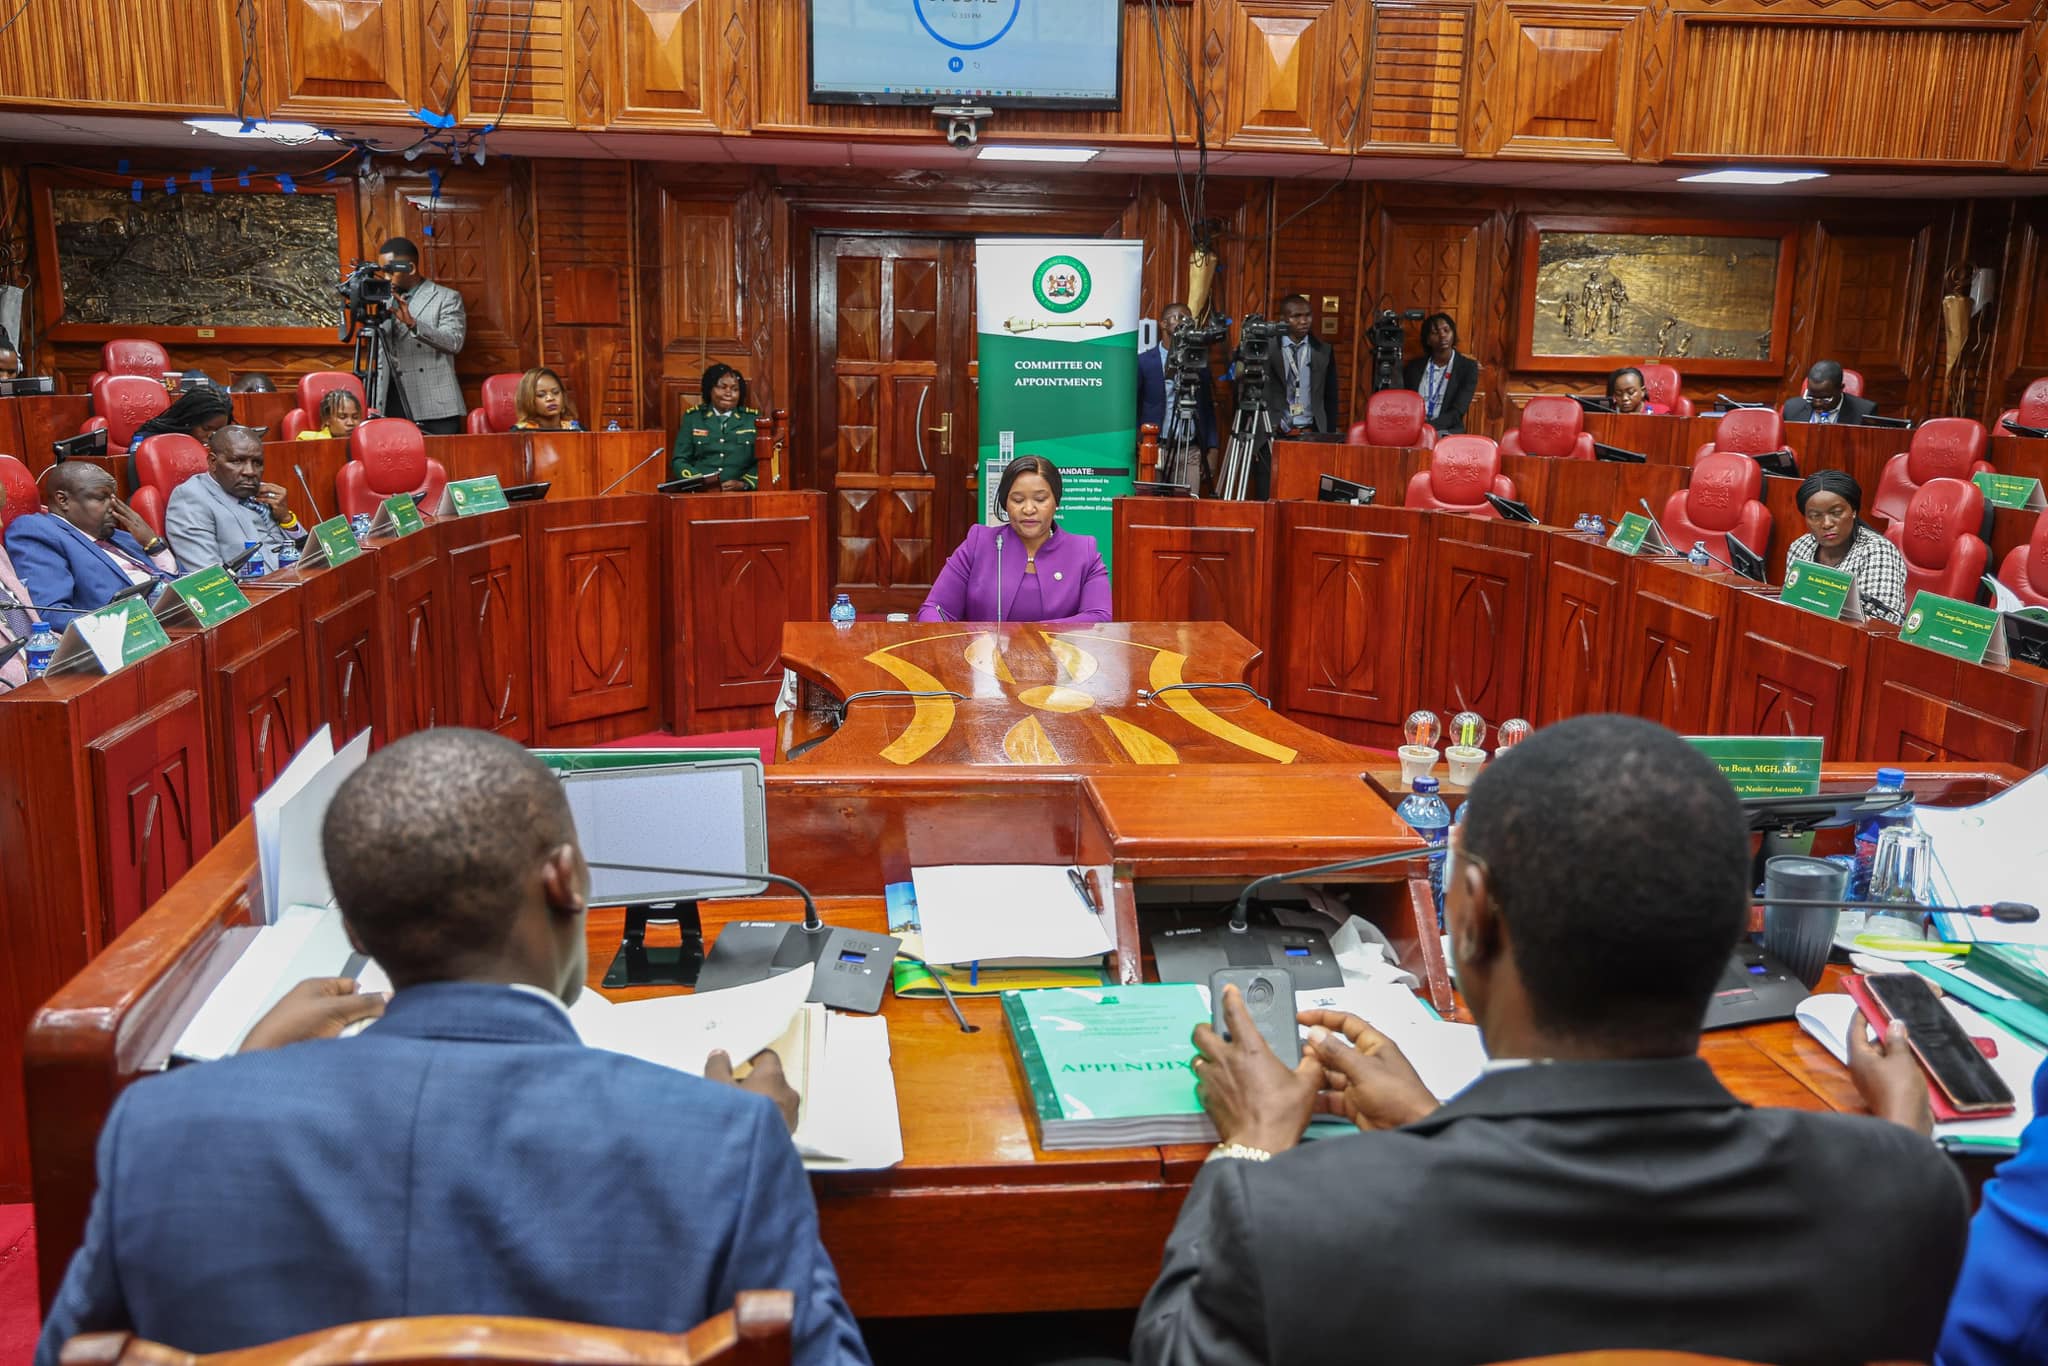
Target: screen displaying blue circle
{"type": "Point", "coordinates": [1016, 6]}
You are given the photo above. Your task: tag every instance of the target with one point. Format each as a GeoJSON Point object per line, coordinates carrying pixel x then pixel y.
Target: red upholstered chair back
{"type": "Point", "coordinates": [1552, 427]}
{"type": "Point", "coordinates": [1943, 448]}
{"type": "Point", "coordinates": [161, 464]}
{"type": "Point", "coordinates": [313, 389]}
{"type": "Point", "coordinates": [1852, 383]}
{"type": "Point", "coordinates": [134, 357]}
{"type": "Point", "coordinates": [23, 497]}
{"type": "Point", "coordinates": [1462, 471]}
{"type": "Point", "coordinates": [387, 455]}
{"type": "Point", "coordinates": [1664, 386]}
{"type": "Point", "coordinates": [1750, 431]}
{"type": "Point", "coordinates": [1938, 538]}
{"type": "Point", "coordinates": [1394, 417]}
{"type": "Point", "coordinates": [2033, 409]}
{"type": "Point", "coordinates": [2025, 570]}
{"type": "Point", "coordinates": [126, 402]}
{"type": "Point", "coordinates": [500, 409]}
{"type": "Point", "coordinates": [1722, 497]}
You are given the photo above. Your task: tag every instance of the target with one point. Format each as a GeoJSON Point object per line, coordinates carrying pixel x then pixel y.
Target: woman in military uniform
{"type": "Point", "coordinates": [717, 436]}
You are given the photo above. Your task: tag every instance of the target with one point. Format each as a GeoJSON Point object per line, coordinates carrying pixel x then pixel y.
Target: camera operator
{"type": "Point", "coordinates": [1301, 386]}
{"type": "Point", "coordinates": [422, 334]}
{"type": "Point", "coordinates": [1156, 392]}
{"type": "Point", "coordinates": [1445, 379]}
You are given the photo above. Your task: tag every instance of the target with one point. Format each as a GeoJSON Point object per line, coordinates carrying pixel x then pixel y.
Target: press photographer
{"type": "Point", "coordinates": [422, 331]}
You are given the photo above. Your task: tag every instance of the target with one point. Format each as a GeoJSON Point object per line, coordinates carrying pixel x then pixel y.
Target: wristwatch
{"type": "Point", "coordinates": [1243, 1152]}
{"type": "Point", "coordinates": [156, 545]}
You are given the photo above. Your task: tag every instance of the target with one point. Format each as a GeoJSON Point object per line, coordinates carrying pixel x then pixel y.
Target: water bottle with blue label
{"type": "Point", "coordinates": [253, 567]}
{"type": "Point", "coordinates": [612, 425]}
{"type": "Point", "coordinates": [40, 650]}
{"type": "Point", "coordinates": [1698, 554]}
{"type": "Point", "coordinates": [842, 610]}
{"type": "Point", "coordinates": [287, 556]}
{"type": "Point", "coordinates": [359, 527]}
{"type": "Point", "coordinates": [1868, 831]}
{"type": "Point", "coordinates": [1427, 816]}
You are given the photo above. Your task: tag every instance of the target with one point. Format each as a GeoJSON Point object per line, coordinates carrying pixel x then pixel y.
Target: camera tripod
{"type": "Point", "coordinates": [1251, 431]}
{"type": "Point", "coordinates": [1180, 444]}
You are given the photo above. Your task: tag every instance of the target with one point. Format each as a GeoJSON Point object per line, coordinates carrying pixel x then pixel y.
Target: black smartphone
{"type": "Point", "coordinates": [1269, 996]}
{"type": "Point", "coordinates": [1971, 1084]}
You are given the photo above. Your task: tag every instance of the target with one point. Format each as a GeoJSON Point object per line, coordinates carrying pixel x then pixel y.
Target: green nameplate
{"type": "Point", "coordinates": [205, 598]}
{"type": "Point", "coordinates": [1959, 629]}
{"type": "Point", "coordinates": [468, 497]}
{"type": "Point", "coordinates": [398, 516]}
{"type": "Point", "coordinates": [110, 639]}
{"type": "Point", "coordinates": [1765, 765]}
{"type": "Point", "coordinates": [1822, 590]}
{"type": "Point", "coordinates": [1629, 533]}
{"type": "Point", "coordinates": [331, 542]}
{"type": "Point", "coordinates": [2014, 491]}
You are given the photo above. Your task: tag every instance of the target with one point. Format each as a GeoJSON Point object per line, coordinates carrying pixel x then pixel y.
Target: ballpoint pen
{"type": "Point", "coordinates": [1081, 885]}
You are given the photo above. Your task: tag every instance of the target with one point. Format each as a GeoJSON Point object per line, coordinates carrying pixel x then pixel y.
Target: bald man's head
{"type": "Point", "coordinates": [234, 457]}
{"type": "Point", "coordinates": [83, 495]}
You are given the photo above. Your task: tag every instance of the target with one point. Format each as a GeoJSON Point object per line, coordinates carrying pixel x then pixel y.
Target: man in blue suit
{"type": "Point", "coordinates": [89, 546]}
{"type": "Point", "coordinates": [466, 1154]}
{"type": "Point", "coordinates": [1155, 397]}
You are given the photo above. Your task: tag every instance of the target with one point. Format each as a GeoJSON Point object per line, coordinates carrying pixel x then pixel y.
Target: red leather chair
{"type": "Point", "coordinates": [1938, 538]}
{"type": "Point", "coordinates": [387, 456]}
{"type": "Point", "coordinates": [2025, 570]}
{"type": "Point", "coordinates": [1394, 417]}
{"type": "Point", "coordinates": [132, 356]}
{"type": "Point", "coordinates": [1721, 498]}
{"type": "Point", "coordinates": [2033, 409]}
{"type": "Point", "coordinates": [1943, 448]}
{"type": "Point", "coordinates": [162, 463]}
{"type": "Point", "coordinates": [1746, 431]}
{"type": "Point", "coordinates": [312, 389]}
{"type": "Point", "coordinates": [23, 497]}
{"type": "Point", "coordinates": [1664, 386]}
{"type": "Point", "coordinates": [121, 403]}
{"type": "Point", "coordinates": [1552, 427]}
{"type": "Point", "coordinates": [500, 410]}
{"type": "Point", "coordinates": [1462, 471]}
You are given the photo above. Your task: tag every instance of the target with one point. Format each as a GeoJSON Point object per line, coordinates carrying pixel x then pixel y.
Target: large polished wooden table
{"type": "Point", "coordinates": [992, 1222]}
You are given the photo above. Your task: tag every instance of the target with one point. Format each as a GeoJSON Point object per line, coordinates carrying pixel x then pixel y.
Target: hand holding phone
{"type": "Point", "coordinates": [1970, 1084]}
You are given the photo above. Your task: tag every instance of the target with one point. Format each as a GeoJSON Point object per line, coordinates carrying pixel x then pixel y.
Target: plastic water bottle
{"type": "Point", "coordinates": [1428, 817]}
{"type": "Point", "coordinates": [612, 425]}
{"type": "Point", "coordinates": [842, 610]}
{"type": "Point", "coordinates": [287, 556]}
{"type": "Point", "coordinates": [40, 650]}
{"type": "Point", "coordinates": [1698, 555]}
{"type": "Point", "coordinates": [253, 567]}
{"type": "Point", "coordinates": [359, 527]}
{"type": "Point", "coordinates": [1867, 832]}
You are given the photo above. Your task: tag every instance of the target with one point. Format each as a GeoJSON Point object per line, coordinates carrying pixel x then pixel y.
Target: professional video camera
{"type": "Point", "coordinates": [1254, 353]}
{"type": "Point", "coordinates": [365, 297]}
{"type": "Point", "coordinates": [1388, 339]}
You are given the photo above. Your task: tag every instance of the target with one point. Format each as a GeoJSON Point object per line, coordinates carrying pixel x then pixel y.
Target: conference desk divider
{"type": "Point", "coordinates": [565, 622]}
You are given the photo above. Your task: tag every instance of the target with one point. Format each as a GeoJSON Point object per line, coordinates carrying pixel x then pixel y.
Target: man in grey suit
{"type": "Point", "coordinates": [466, 1154]}
{"type": "Point", "coordinates": [1597, 1187]}
{"type": "Point", "coordinates": [422, 335]}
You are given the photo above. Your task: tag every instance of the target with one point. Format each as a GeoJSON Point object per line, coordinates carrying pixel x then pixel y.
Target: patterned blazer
{"type": "Point", "coordinates": [423, 357]}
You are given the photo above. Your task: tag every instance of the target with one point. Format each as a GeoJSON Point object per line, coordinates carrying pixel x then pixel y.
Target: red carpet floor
{"type": "Point", "coordinates": [19, 1321]}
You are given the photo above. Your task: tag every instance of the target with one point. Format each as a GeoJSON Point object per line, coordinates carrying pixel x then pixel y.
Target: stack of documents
{"type": "Point", "coordinates": [1992, 851]}
{"type": "Point", "coordinates": [837, 1064]}
{"type": "Point", "coordinates": [1009, 915]}
{"type": "Point", "coordinates": [916, 976]}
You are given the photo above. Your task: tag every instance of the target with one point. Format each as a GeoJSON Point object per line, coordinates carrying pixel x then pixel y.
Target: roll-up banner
{"type": "Point", "coordinates": [1058, 356]}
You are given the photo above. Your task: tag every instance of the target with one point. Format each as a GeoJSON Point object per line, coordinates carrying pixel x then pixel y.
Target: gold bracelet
{"type": "Point", "coordinates": [1244, 1152]}
{"type": "Point", "coordinates": [290, 521]}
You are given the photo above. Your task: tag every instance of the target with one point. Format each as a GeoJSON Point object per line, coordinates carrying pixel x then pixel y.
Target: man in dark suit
{"type": "Point", "coordinates": [466, 1154]}
{"type": "Point", "coordinates": [1156, 401]}
{"type": "Point", "coordinates": [1824, 400]}
{"type": "Point", "coordinates": [1301, 384]}
{"type": "Point", "coordinates": [89, 546]}
{"type": "Point", "coordinates": [1446, 379]}
{"type": "Point", "coordinates": [1597, 1187]}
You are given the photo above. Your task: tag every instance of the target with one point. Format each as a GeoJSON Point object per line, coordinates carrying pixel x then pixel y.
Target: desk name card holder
{"type": "Point", "coordinates": [1960, 630]}
{"type": "Point", "coordinates": [330, 542]}
{"type": "Point", "coordinates": [1822, 590]}
{"type": "Point", "coordinates": [397, 517]}
{"type": "Point", "coordinates": [1629, 533]}
{"type": "Point", "coordinates": [469, 497]}
{"type": "Point", "coordinates": [110, 639]}
{"type": "Point", "coordinates": [204, 598]}
{"type": "Point", "coordinates": [2017, 492]}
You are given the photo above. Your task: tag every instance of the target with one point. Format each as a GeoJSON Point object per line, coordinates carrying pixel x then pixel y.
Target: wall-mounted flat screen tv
{"type": "Point", "coordinates": [1006, 54]}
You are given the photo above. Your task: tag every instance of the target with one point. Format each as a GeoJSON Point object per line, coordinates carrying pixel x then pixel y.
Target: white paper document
{"type": "Point", "coordinates": [1994, 851]}
{"type": "Point", "coordinates": [311, 758]}
{"type": "Point", "coordinates": [1002, 912]}
{"type": "Point", "coordinates": [306, 941]}
{"type": "Point", "coordinates": [681, 1031]}
{"type": "Point", "coordinates": [850, 1121]}
{"type": "Point", "coordinates": [302, 863]}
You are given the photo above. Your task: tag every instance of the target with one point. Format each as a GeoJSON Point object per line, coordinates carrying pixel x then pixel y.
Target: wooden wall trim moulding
{"type": "Point", "coordinates": [139, 58]}
{"type": "Point", "coordinates": [1533, 226]}
{"type": "Point", "coordinates": [343, 59]}
{"type": "Point", "coordinates": [1890, 91]}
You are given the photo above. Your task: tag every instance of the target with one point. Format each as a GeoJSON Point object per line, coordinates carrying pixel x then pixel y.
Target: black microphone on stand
{"type": "Point", "coordinates": [133, 590]}
{"type": "Point", "coordinates": [2004, 912]}
{"type": "Point", "coordinates": [630, 473]}
{"type": "Point", "coordinates": [852, 966]}
{"type": "Point", "coordinates": [311, 501]}
{"type": "Point", "coordinates": [999, 577]}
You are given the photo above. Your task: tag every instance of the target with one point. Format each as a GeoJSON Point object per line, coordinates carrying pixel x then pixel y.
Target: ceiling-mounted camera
{"type": "Point", "coordinates": [963, 122]}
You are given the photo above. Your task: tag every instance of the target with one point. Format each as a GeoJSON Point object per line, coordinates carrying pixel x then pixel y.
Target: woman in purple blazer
{"type": "Point", "coordinates": [1029, 570]}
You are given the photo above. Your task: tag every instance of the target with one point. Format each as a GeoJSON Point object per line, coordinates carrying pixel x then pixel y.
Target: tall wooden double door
{"type": "Point", "coordinates": [895, 437]}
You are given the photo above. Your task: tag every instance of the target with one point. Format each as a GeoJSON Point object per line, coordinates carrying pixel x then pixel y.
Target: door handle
{"type": "Point", "coordinates": [944, 432]}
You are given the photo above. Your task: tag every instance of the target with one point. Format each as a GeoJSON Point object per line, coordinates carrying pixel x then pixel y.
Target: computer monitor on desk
{"type": "Point", "coordinates": [1617, 455]}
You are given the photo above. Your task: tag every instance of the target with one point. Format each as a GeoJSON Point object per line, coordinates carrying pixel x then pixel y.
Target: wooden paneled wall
{"type": "Point", "coordinates": [1933, 82]}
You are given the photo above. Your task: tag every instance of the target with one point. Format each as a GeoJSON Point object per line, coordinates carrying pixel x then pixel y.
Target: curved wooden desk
{"type": "Point", "coordinates": [1036, 695]}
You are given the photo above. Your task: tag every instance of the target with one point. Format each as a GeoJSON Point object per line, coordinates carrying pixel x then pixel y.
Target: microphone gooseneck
{"type": "Point", "coordinates": [999, 577]}
{"type": "Point", "coordinates": [1238, 924]}
{"type": "Point", "coordinates": [307, 488]}
{"type": "Point", "coordinates": [630, 473]}
{"type": "Point", "coordinates": [812, 923]}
